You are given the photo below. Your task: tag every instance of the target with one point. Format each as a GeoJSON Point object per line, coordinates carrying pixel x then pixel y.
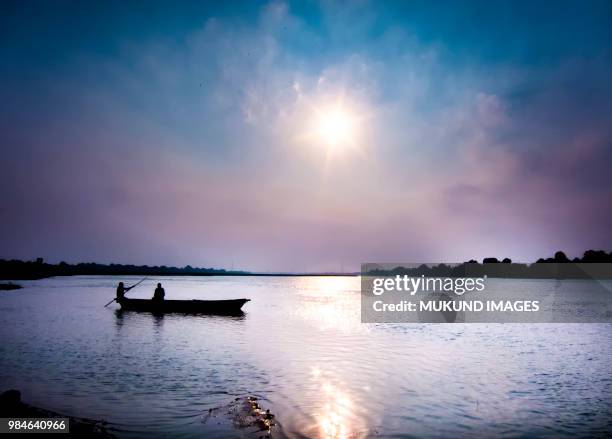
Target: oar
{"type": "Point", "coordinates": [133, 286]}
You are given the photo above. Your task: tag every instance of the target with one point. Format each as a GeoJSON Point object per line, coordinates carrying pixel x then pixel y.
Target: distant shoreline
{"type": "Point", "coordinates": [32, 270]}
{"type": "Point", "coordinates": [594, 264]}
{"type": "Point", "coordinates": [38, 269]}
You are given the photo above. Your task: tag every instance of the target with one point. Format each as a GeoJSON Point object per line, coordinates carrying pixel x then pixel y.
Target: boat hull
{"type": "Point", "coordinates": [225, 307]}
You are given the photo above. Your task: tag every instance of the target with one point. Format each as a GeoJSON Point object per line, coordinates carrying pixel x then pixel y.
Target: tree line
{"type": "Point", "coordinates": [38, 269]}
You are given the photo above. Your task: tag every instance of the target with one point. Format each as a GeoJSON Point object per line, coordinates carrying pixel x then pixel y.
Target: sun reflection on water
{"type": "Point", "coordinates": [333, 420]}
{"type": "Point", "coordinates": [336, 417]}
{"type": "Point", "coordinates": [332, 303]}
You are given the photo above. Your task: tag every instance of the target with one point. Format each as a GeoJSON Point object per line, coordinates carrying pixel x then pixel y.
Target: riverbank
{"type": "Point", "coordinates": [38, 269]}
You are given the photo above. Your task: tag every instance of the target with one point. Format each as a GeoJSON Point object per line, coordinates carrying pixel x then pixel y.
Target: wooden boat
{"type": "Point", "coordinates": [225, 307]}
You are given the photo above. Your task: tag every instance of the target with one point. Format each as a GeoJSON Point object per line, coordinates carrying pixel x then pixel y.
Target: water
{"type": "Point", "coordinates": [302, 350]}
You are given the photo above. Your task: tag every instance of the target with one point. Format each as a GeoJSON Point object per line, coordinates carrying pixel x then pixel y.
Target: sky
{"type": "Point", "coordinates": [304, 136]}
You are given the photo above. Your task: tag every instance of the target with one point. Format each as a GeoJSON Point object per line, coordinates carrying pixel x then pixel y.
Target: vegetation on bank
{"type": "Point", "coordinates": [38, 269]}
{"type": "Point", "coordinates": [15, 269]}
{"type": "Point", "coordinates": [9, 286]}
{"type": "Point", "coordinates": [595, 264]}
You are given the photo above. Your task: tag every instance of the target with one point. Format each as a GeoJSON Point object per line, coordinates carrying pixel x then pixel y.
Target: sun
{"type": "Point", "coordinates": [335, 127]}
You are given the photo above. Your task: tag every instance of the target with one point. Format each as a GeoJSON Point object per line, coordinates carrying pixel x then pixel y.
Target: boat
{"type": "Point", "coordinates": [224, 307]}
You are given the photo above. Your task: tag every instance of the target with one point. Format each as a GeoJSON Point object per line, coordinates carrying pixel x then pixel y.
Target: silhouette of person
{"type": "Point", "coordinates": [121, 290]}
{"type": "Point", "coordinates": [159, 293]}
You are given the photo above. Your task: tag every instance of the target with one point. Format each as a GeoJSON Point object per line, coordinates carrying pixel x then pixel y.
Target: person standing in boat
{"type": "Point", "coordinates": [159, 293]}
{"type": "Point", "coordinates": [121, 290]}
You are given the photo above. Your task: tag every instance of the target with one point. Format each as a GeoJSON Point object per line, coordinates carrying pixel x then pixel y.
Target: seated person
{"type": "Point", "coordinates": [159, 293]}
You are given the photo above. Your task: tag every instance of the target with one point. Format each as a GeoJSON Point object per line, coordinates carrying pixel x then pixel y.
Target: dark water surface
{"type": "Point", "coordinates": [302, 350]}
